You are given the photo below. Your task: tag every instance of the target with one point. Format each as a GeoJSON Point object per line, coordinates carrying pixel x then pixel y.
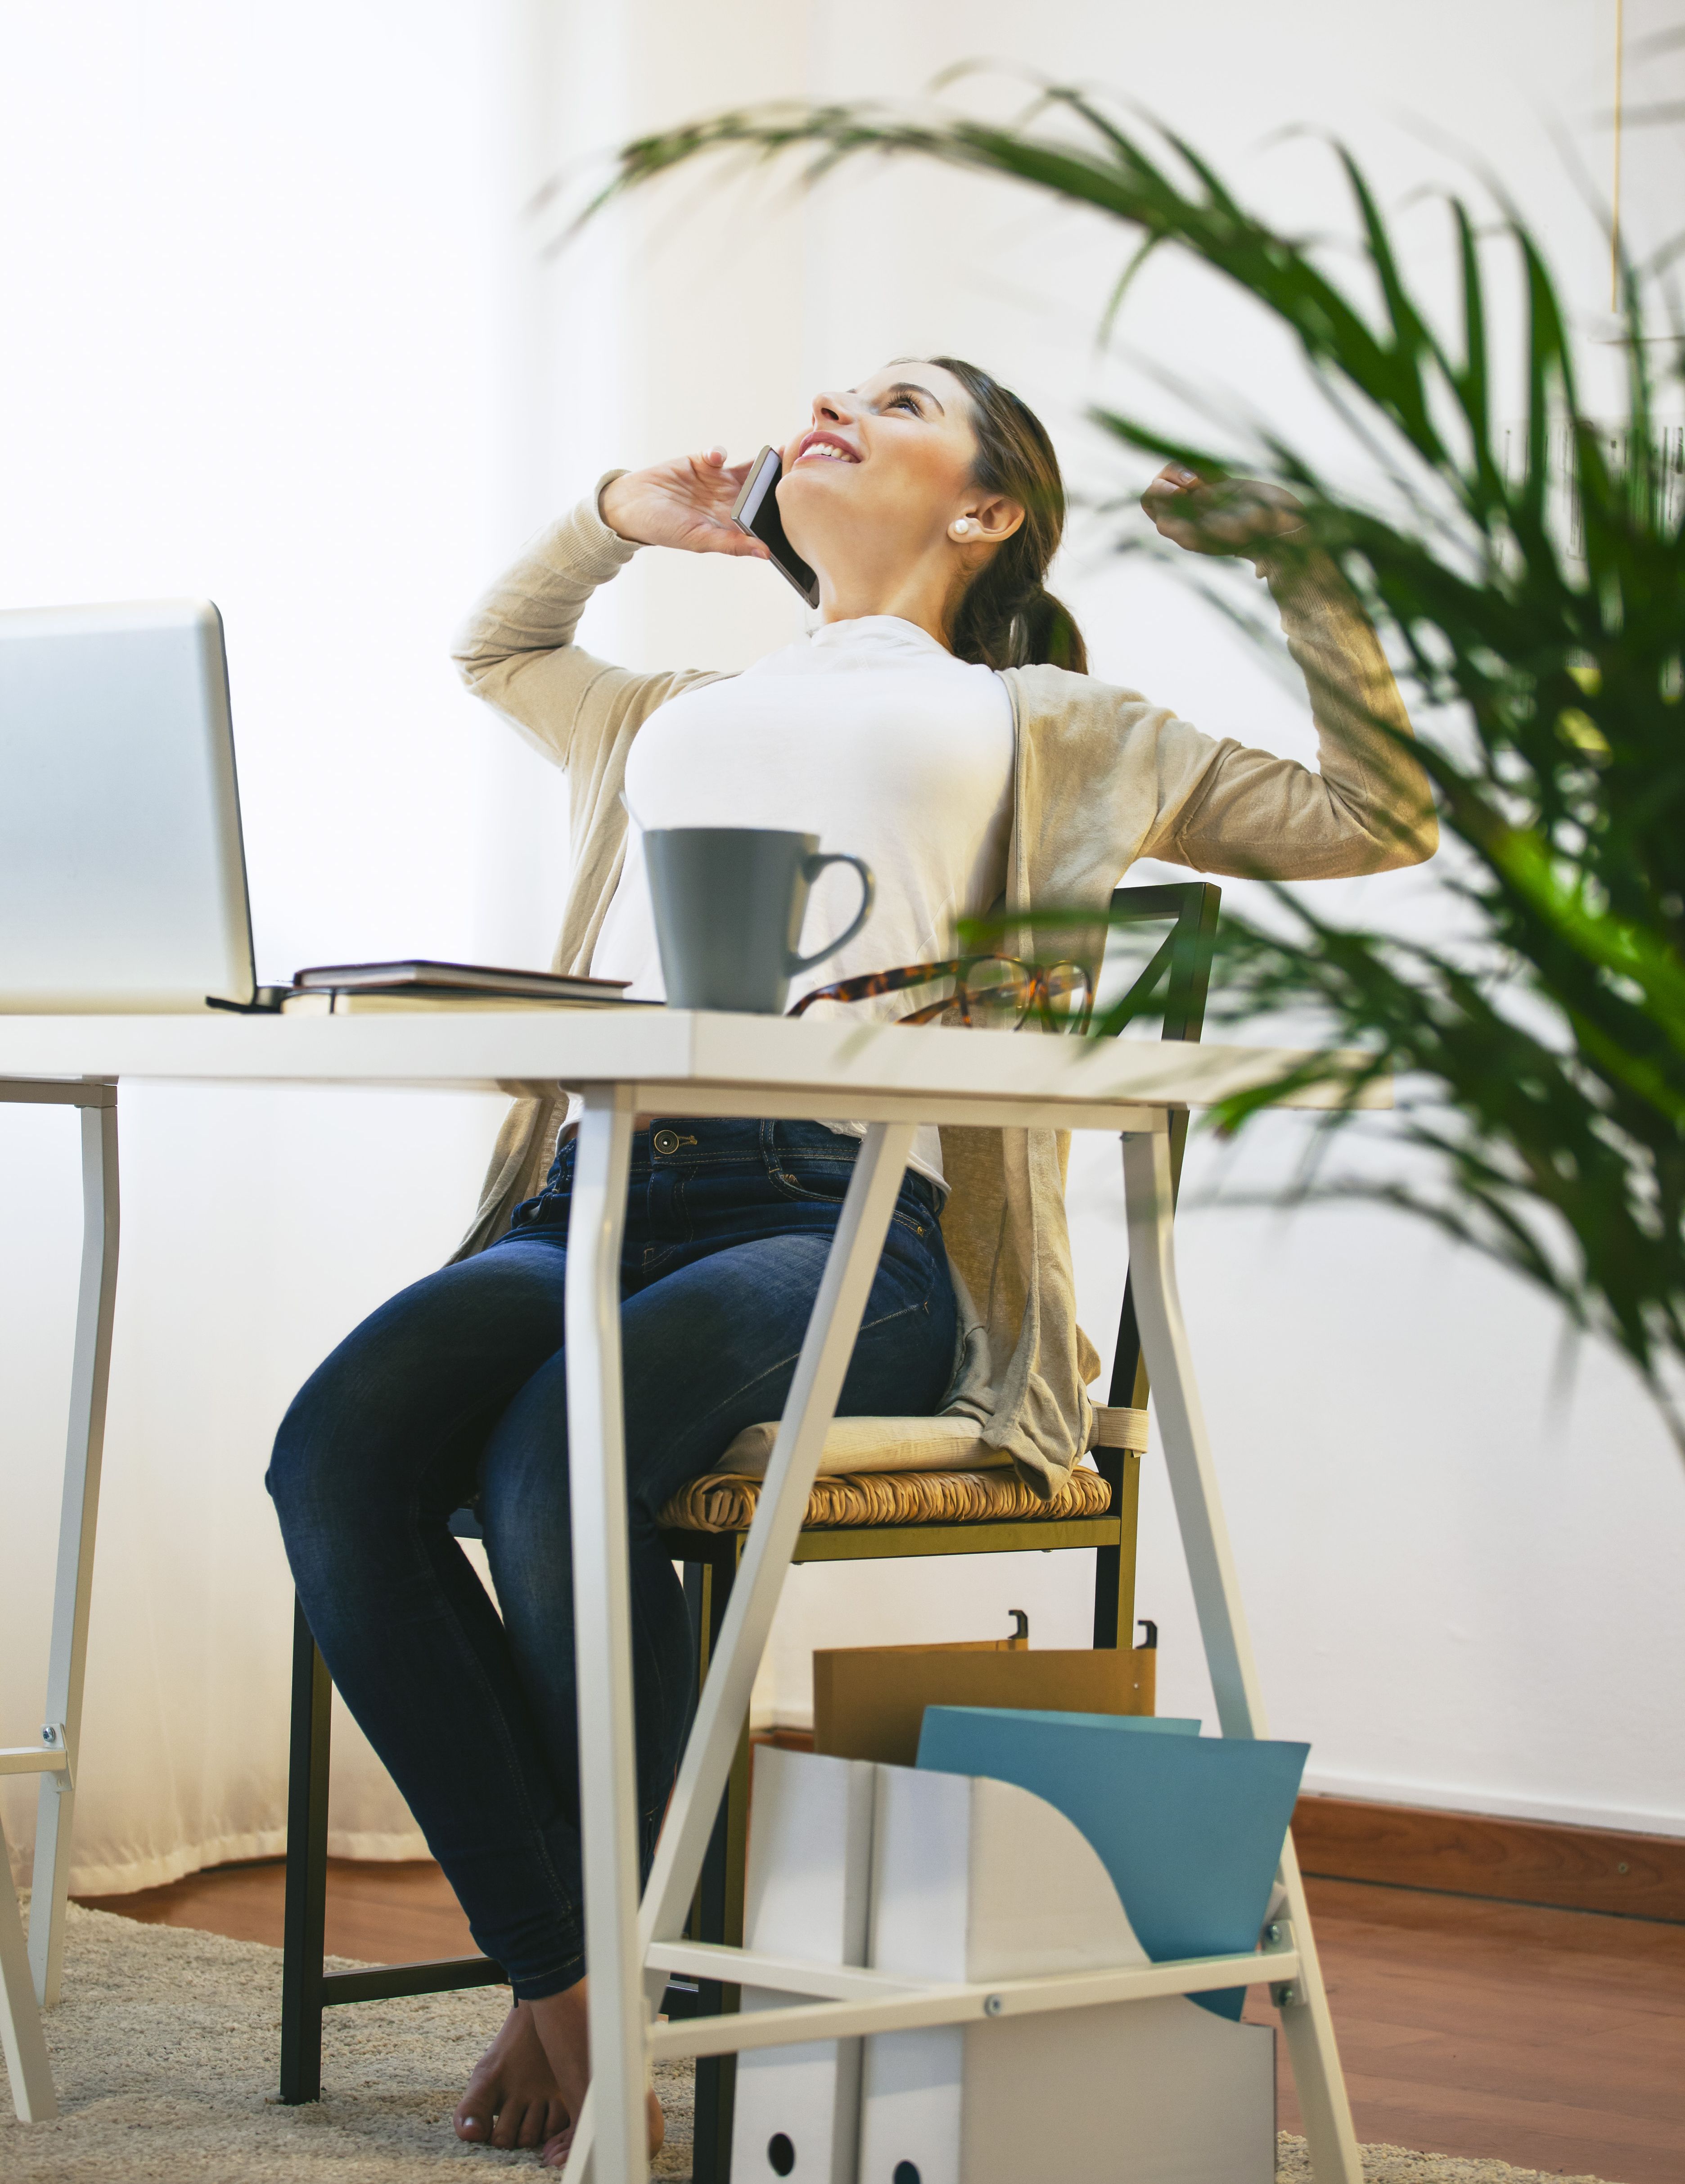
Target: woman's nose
{"type": "Point", "coordinates": [830, 409]}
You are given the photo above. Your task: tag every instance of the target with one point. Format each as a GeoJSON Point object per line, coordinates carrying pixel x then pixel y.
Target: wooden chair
{"type": "Point", "coordinates": [1099, 1514]}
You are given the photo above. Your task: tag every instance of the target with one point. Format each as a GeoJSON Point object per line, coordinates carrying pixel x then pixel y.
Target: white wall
{"type": "Point", "coordinates": [289, 342]}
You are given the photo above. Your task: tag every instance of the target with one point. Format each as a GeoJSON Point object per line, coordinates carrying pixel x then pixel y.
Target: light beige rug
{"type": "Point", "coordinates": [166, 2051]}
{"type": "Point", "coordinates": [165, 2048]}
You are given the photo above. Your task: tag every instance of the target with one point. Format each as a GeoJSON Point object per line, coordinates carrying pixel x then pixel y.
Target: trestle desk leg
{"type": "Point", "coordinates": [1305, 2019]}
{"type": "Point", "coordinates": [79, 1514]}
{"type": "Point", "coordinates": [20, 2035]}
{"type": "Point", "coordinates": [603, 1638]}
{"type": "Point", "coordinates": [304, 1918]}
{"type": "Point", "coordinates": [715, 1738]}
{"type": "Point", "coordinates": [791, 1470]}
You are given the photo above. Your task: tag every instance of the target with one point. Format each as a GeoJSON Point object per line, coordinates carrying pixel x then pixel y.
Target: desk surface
{"type": "Point", "coordinates": [863, 1072]}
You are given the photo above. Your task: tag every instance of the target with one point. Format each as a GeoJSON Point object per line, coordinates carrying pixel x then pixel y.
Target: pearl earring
{"type": "Point", "coordinates": [962, 528]}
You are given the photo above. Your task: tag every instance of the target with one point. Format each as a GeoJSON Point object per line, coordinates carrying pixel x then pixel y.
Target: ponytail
{"type": "Point", "coordinates": [1007, 617]}
{"type": "Point", "coordinates": [1029, 630]}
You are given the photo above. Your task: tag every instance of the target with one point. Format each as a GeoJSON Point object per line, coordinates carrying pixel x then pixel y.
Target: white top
{"type": "Point", "coordinates": [868, 734]}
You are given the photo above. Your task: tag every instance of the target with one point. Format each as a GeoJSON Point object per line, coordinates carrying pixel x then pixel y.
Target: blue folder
{"type": "Point", "coordinates": [1190, 1828]}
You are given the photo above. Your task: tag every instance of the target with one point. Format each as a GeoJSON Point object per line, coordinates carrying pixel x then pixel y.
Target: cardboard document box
{"type": "Point", "coordinates": [870, 1701]}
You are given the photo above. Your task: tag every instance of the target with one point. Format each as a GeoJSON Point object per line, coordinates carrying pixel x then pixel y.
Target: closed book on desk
{"type": "Point", "coordinates": [434, 976]}
{"type": "Point", "coordinates": [797, 2109]}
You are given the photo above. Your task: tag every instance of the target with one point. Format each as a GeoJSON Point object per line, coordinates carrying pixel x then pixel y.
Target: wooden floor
{"type": "Point", "coordinates": [378, 1912]}
{"type": "Point", "coordinates": [1552, 2040]}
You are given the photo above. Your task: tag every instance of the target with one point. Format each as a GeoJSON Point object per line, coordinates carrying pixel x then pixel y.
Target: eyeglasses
{"type": "Point", "coordinates": [992, 992]}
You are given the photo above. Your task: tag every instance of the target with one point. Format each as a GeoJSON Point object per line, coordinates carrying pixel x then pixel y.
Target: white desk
{"type": "Point", "coordinates": [678, 1062]}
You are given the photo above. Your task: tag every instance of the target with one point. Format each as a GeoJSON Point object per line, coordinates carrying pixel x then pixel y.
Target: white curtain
{"type": "Point", "coordinates": [266, 274]}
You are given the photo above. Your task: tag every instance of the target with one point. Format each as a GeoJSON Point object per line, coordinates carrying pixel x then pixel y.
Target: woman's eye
{"type": "Point", "coordinates": [905, 402]}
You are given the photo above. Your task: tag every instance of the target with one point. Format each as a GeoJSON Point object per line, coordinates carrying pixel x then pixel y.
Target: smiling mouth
{"type": "Point", "coordinates": [829, 451]}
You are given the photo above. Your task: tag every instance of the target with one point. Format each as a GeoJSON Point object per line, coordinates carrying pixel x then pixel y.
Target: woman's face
{"type": "Point", "coordinates": [884, 468]}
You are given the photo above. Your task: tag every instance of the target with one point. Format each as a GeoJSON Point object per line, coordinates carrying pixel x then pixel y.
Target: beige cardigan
{"type": "Point", "coordinates": [1101, 777]}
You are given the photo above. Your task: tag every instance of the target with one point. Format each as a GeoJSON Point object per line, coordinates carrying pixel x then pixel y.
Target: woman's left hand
{"type": "Point", "coordinates": [1242, 516]}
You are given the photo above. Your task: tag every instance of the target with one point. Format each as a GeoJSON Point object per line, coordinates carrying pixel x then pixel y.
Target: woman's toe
{"type": "Point", "coordinates": [512, 2121]}
{"type": "Point", "coordinates": [536, 2125]}
{"type": "Point", "coordinates": [471, 2122]}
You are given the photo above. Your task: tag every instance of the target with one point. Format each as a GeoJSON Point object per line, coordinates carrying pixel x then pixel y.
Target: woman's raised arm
{"type": "Point", "coordinates": [516, 648]}
{"type": "Point", "coordinates": [1369, 807]}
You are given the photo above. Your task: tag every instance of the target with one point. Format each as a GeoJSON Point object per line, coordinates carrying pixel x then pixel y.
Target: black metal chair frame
{"type": "Point", "coordinates": [1181, 967]}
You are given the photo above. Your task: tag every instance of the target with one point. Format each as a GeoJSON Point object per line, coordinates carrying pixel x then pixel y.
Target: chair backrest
{"type": "Point", "coordinates": [1174, 929]}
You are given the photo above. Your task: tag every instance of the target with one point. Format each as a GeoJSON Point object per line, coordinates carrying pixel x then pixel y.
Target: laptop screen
{"type": "Point", "coordinates": [122, 870]}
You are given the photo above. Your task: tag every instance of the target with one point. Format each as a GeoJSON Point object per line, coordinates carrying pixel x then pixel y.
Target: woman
{"type": "Point", "coordinates": [940, 722]}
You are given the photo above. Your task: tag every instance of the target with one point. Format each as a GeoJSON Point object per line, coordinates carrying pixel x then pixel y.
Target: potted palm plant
{"type": "Point", "coordinates": [1532, 594]}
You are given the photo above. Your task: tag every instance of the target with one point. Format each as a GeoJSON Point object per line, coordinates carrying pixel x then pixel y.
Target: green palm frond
{"type": "Point", "coordinates": [1533, 592]}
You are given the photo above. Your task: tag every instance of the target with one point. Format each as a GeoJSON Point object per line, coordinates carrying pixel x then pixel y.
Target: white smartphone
{"type": "Point", "coordinates": [757, 512]}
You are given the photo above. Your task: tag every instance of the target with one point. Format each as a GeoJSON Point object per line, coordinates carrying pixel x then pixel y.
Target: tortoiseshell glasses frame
{"type": "Point", "coordinates": [989, 989]}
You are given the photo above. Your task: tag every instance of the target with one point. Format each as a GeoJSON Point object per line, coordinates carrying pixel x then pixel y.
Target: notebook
{"type": "Point", "coordinates": [419, 974]}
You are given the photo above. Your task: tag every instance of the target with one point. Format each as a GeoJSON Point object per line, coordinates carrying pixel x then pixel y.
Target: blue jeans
{"type": "Point", "coordinates": [458, 1387]}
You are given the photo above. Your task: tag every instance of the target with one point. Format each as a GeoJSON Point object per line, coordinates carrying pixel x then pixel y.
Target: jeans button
{"type": "Point", "coordinates": [664, 1141]}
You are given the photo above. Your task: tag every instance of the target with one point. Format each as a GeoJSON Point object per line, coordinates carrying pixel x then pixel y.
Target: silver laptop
{"type": "Point", "coordinates": [122, 871]}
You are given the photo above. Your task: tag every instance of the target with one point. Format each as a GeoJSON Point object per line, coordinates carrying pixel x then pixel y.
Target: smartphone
{"type": "Point", "coordinates": [757, 513]}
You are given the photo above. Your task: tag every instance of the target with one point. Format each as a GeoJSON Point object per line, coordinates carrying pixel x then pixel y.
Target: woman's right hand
{"type": "Point", "coordinates": [685, 502]}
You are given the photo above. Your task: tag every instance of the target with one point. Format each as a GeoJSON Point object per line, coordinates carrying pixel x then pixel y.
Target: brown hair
{"type": "Point", "coordinates": [1007, 618]}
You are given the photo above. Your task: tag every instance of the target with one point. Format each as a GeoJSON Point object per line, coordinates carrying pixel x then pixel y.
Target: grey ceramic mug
{"type": "Point", "coordinates": [729, 903]}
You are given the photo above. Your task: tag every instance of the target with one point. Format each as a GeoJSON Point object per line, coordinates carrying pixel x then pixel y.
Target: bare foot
{"type": "Point", "coordinates": [563, 2024]}
{"type": "Point", "coordinates": [556, 2150]}
{"type": "Point", "coordinates": [513, 2098]}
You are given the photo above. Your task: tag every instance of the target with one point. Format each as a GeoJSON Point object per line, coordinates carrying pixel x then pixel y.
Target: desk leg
{"type": "Point", "coordinates": [826, 1348]}
{"type": "Point", "coordinates": [608, 1766]}
{"type": "Point", "coordinates": [20, 2035]}
{"type": "Point", "coordinates": [1304, 2006]}
{"type": "Point", "coordinates": [68, 1656]}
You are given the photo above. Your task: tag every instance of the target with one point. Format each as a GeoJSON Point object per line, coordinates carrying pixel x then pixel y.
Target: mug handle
{"type": "Point", "coordinates": [811, 868]}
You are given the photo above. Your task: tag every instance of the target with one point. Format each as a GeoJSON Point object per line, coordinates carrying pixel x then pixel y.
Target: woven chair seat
{"type": "Point", "coordinates": [720, 1501]}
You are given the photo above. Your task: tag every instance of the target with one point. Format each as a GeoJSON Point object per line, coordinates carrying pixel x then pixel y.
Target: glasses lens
{"type": "Point", "coordinates": [1066, 988]}
{"type": "Point", "coordinates": [999, 991]}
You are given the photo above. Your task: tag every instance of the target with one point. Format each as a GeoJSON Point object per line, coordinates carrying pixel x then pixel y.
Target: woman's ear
{"type": "Point", "coordinates": [995, 520]}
